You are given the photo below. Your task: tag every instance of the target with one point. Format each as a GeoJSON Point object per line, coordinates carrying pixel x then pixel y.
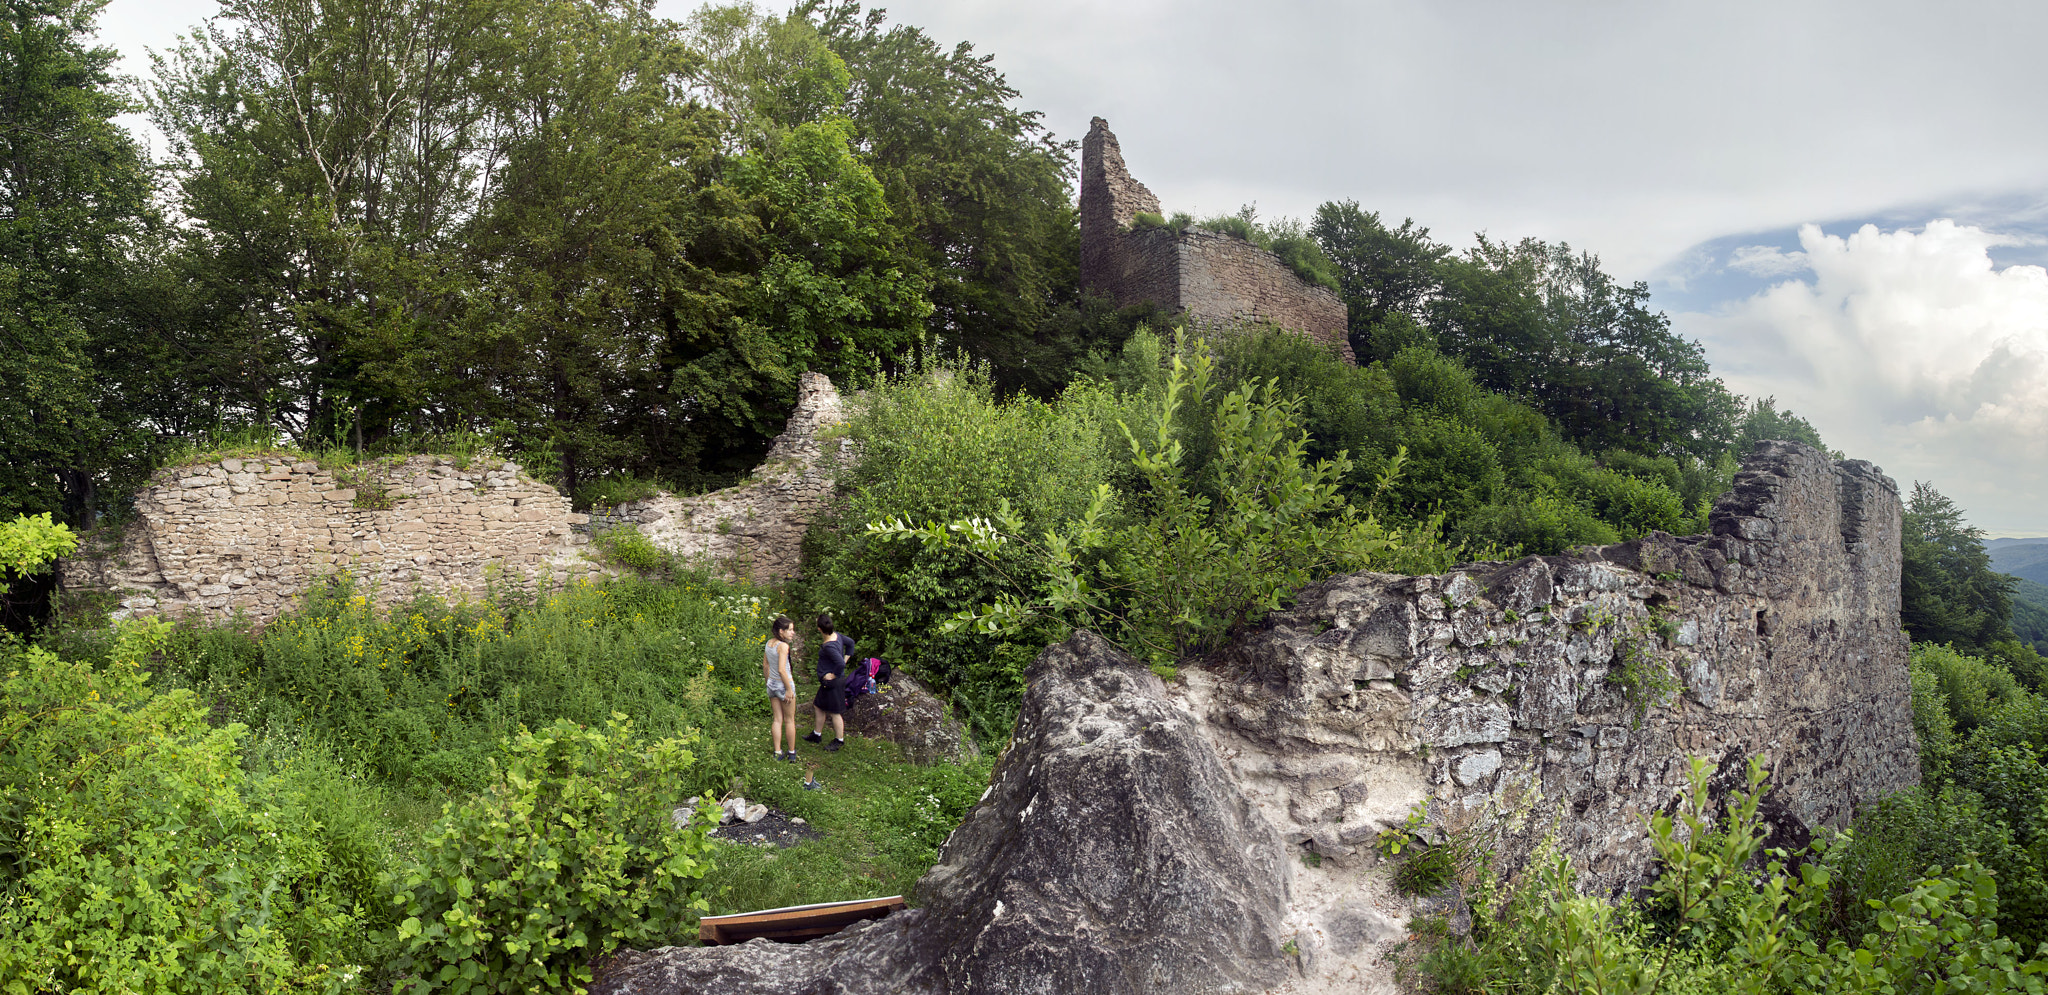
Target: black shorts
{"type": "Point", "coordinates": [832, 698]}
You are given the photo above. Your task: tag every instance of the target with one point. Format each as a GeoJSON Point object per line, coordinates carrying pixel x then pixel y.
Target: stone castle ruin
{"type": "Point", "coordinates": [756, 529]}
{"type": "Point", "coordinates": [1144, 837]}
{"type": "Point", "coordinates": [249, 535]}
{"type": "Point", "coordinates": [1215, 279]}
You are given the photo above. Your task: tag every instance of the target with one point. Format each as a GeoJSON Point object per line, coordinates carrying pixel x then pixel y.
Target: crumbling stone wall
{"type": "Point", "coordinates": [1498, 693]}
{"type": "Point", "coordinates": [249, 535]}
{"type": "Point", "coordinates": [1216, 279]}
{"type": "Point", "coordinates": [755, 530]}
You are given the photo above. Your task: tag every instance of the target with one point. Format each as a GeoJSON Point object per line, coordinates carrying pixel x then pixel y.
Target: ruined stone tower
{"type": "Point", "coordinates": [1215, 278]}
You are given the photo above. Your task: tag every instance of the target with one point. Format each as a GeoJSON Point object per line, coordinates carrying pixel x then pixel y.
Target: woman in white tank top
{"type": "Point", "coordinates": [781, 686]}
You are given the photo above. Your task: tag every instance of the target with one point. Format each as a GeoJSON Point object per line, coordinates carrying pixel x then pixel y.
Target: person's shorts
{"type": "Point", "coordinates": [831, 698]}
{"type": "Point", "coordinates": [777, 691]}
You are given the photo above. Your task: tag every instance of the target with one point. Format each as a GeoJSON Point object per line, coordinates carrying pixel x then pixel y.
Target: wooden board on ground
{"type": "Point", "coordinates": [794, 924]}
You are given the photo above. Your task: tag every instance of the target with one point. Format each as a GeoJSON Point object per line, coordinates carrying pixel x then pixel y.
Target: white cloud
{"type": "Point", "coordinates": [1766, 261]}
{"type": "Point", "coordinates": [1911, 349]}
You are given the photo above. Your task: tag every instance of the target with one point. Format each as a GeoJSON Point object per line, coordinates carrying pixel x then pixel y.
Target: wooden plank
{"type": "Point", "coordinates": [796, 923]}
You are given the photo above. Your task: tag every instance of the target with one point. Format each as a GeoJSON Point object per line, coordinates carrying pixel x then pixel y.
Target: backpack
{"type": "Point", "coordinates": [860, 677]}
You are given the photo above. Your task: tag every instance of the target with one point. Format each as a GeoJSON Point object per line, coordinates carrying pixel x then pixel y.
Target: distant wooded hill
{"type": "Point", "coordinates": [2026, 559]}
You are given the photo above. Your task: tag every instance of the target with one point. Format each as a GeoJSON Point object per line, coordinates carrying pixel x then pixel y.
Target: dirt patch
{"type": "Point", "coordinates": [774, 829]}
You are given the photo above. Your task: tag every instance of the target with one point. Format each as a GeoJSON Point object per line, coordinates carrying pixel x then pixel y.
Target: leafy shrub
{"type": "Point", "coordinates": [612, 491]}
{"type": "Point", "coordinates": [136, 854]}
{"type": "Point", "coordinates": [1536, 523]}
{"type": "Point", "coordinates": [1715, 922]}
{"type": "Point", "coordinates": [1147, 219]}
{"type": "Point", "coordinates": [1173, 560]}
{"type": "Point", "coordinates": [1970, 688]}
{"type": "Point", "coordinates": [938, 446]}
{"type": "Point", "coordinates": [570, 854]}
{"type": "Point", "coordinates": [29, 542]}
{"type": "Point", "coordinates": [628, 547]}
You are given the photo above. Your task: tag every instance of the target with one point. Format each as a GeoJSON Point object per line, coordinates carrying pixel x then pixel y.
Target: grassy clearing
{"type": "Point", "coordinates": [384, 740]}
{"type": "Point", "coordinates": [882, 819]}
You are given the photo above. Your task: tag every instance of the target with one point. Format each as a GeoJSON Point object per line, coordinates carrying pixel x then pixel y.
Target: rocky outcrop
{"type": "Point", "coordinates": [755, 530]}
{"type": "Point", "coordinates": [249, 534]}
{"type": "Point", "coordinates": [1111, 854]}
{"type": "Point", "coordinates": [1214, 279]}
{"type": "Point", "coordinates": [1144, 838]}
{"type": "Point", "coordinates": [906, 714]}
{"type": "Point", "coordinates": [1565, 694]}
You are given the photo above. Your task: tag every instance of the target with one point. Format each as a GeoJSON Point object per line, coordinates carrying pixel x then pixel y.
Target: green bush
{"type": "Point", "coordinates": [612, 491]}
{"type": "Point", "coordinates": [1182, 551]}
{"type": "Point", "coordinates": [628, 547]}
{"type": "Point", "coordinates": [569, 855]}
{"type": "Point", "coordinates": [137, 855]}
{"type": "Point", "coordinates": [1543, 524]}
{"type": "Point", "coordinates": [1716, 922]}
{"type": "Point", "coordinates": [938, 446]}
{"type": "Point", "coordinates": [1970, 688]}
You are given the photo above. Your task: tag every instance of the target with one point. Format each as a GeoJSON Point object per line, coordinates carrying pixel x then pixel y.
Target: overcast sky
{"type": "Point", "coordinates": [1730, 153]}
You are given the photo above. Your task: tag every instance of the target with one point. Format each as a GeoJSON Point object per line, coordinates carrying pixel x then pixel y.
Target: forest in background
{"type": "Point", "coordinates": [605, 245]}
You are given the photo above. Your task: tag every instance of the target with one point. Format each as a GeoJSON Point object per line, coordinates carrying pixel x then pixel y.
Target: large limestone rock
{"type": "Point", "coordinates": [1112, 854]}
{"type": "Point", "coordinates": [1499, 694]}
{"type": "Point", "coordinates": [911, 717]}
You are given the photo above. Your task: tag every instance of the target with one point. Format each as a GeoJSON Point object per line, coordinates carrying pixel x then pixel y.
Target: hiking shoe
{"type": "Point", "coordinates": [790, 756]}
{"type": "Point", "coordinates": [778, 754]}
{"type": "Point", "coordinates": [834, 746]}
{"type": "Point", "coordinates": [811, 737]}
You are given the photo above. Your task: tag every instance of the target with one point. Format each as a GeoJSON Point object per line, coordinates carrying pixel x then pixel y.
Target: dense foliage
{"type": "Point", "coordinates": [441, 797]}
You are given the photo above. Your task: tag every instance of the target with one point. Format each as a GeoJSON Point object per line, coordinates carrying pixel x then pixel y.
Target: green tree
{"type": "Point", "coordinates": [980, 188]}
{"type": "Point", "coordinates": [1386, 275]}
{"type": "Point", "coordinates": [1948, 592]}
{"type": "Point", "coordinates": [1539, 322]}
{"type": "Point", "coordinates": [328, 154]}
{"type": "Point", "coordinates": [1762, 421]}
{"type": "Point", "coordinates": [606, 246]}
{"type": "Point", "coordinates": [73, 192]}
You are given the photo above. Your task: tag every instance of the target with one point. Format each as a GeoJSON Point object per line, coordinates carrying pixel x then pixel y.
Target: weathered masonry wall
{"type": "Point", "coordinates": [1491, 693]}
{"type": "Point", "coordinates": [248, 535]}
{"type": "Point", "coordinates": [1216, 279]}
{"type": "Point", "coordinates": [755, 530]}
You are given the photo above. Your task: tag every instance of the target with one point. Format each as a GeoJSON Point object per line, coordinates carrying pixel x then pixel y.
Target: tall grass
{"type": "Point", "coordinates": [424, 692]}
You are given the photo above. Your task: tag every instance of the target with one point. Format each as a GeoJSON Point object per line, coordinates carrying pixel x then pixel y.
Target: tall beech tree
{"type": "Point", "coordinates": [73, 198]}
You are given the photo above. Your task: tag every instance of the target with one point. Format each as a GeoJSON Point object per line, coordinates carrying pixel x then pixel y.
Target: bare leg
{"type": "Point", "coordinates": [838, 727]}
{"type": "Point", "coordinates": [788, 706]}
{"type": "Point", "coordinates": [819, 727]}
